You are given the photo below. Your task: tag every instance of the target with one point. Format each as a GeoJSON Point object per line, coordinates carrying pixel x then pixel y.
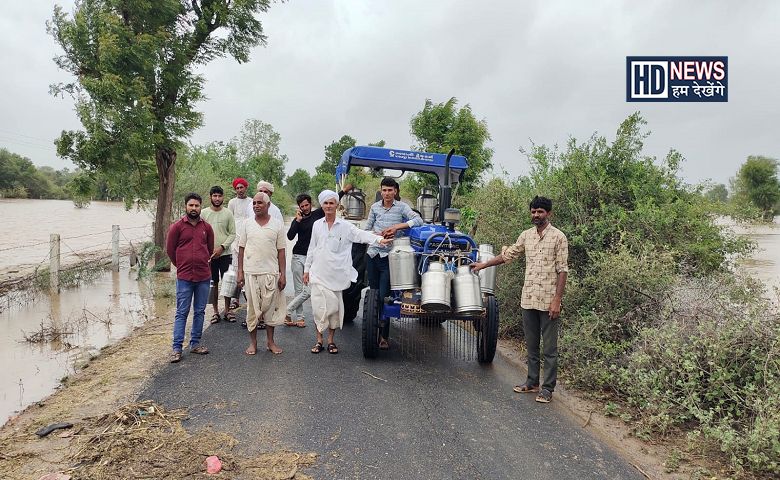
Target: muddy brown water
{"type": "Point", "coordinates": [105, 310]}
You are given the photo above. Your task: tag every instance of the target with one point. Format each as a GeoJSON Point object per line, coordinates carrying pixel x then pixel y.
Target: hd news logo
{"type": "Point", "coordinates": [677, 79]}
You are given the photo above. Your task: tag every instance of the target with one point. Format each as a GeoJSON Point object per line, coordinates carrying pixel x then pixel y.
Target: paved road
{"type": "Point", "coordinates": [432, 416]}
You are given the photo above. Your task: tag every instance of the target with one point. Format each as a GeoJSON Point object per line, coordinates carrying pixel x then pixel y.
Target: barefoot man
{"type": "Point", "coordinates": [262, 265]}
{"type": "Point", "coordinates": [328, 269]}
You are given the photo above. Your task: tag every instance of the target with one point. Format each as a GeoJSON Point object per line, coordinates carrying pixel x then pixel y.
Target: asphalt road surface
{"type": "Point", "coordinates": [417, 411]}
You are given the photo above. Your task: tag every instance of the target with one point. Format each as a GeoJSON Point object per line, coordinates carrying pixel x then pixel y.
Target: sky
{"type": "Point", "coordinates": [537, 72]}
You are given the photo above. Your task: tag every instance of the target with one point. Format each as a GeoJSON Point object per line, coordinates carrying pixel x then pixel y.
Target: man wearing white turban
{"type": "Point", "coordinates": [328, 269]}
{"type": "Point", "coordinates": [273, 210]}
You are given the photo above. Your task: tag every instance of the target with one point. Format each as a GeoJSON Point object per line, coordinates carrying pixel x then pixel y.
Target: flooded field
{"type": "Point", "coordinates": [24, 240]}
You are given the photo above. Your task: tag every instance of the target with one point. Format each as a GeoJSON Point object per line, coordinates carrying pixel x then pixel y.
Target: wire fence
{"type": "Point", "coordinates": [69, 261]}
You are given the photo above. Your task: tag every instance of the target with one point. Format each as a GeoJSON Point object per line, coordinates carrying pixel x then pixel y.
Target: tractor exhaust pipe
{"type": "Point", "coordinates": [445, 191]}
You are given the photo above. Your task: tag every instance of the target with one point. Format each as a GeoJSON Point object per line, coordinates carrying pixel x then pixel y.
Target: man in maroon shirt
{"type": "Point", "coordinates": [189, 246]}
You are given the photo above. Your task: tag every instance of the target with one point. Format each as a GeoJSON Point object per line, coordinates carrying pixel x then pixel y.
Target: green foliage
{"type": "Point", "coordinates": [441, 127]}
{"type": "Point", "coordinates": [652, 315]}
{"type": "Point", "coordinates": [258, 151]}
{"type": "Point", "coordinates": [135, 84]}
{"type": "Point", "coordinates": [757, 183]}
{"type": "Point", "coordinates": [298, 182]}
{"type": "Point", "coordinates": [19, 178]}
{"type": "Point", "coordinates": [717, 194]}
{"type": "Point", "coordinates": [333, 155]}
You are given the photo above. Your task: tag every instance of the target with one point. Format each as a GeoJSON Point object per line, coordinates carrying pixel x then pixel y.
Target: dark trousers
{"type": "Point", "coordinates": [378, 273]}
{"type": "Point", "coordinates": [538, 326]}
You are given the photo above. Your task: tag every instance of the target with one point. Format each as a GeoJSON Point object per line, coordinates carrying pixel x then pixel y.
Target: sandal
{"type": "Point", "coordinates": [544, 396]}
{"type": "Point", "coordinates": [200, 350]}
{"type": "Point", "coordinates": [525, 388]}
{"type": "Point", "coordinates": [288, 322]}
{"type": "Point", "coordinates": [175, 357]}
{"type": "Point", "coordinates": [332, 348]}
{"type": "Point", "coordinates": [317, 348]}
{"type": "Point", "coordinates": [384, 344]}
{"type": "Point", "coordinates": [215, 318]}
{"type": "Point", "coordinates": [230, 317]}
{"type": "Point", "coordinates": [300, 324]}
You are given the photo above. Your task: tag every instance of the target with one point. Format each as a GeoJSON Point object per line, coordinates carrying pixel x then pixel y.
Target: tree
{"type": "Point", "coordinates": [441, 127]}
{"type": "Point", "coordinates": [299, 182]}
{"type": "Point", "coordinates": [717, 194]}
{"type": "Point", "coordinates": [758, 183]}
{"type": "Point", "coordinates": [333, 154]}
{"type": "Point", "coordinates": [136, 84]}
{"type": "Point", "coordinates": [258, 149]}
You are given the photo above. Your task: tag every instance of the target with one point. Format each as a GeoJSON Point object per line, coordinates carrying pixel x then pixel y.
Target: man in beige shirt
{"type": "Point", "coordinates": [262, 265]}
{"type": "Point", "coordinates": [546, 267]}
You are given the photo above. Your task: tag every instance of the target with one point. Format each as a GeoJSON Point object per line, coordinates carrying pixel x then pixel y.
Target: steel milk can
{"type": "Point", "coordinates": [436, 288]}
{"type": "Point", "coordinates": [403, 268]}
{"type": "Point", "coordinates": [487, 276]}
{"type": "Point", "coordinates": [468, 298]}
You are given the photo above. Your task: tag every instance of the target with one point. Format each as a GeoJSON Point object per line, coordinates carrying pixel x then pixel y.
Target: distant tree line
{"type": "Point", "coordinates": [753, 193]}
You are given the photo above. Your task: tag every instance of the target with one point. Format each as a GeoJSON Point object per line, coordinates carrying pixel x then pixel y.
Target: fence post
{"type": "Point", "coordinates": [54, 262]}
{"type": "Point", "coordinates": [115, 247]}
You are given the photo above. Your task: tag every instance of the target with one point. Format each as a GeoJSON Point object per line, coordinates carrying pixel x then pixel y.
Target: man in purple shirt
{"type": "Point", "coordinates": [189, 245]}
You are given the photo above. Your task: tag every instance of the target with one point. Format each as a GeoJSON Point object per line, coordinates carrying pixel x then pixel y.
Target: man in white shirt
{"type": "Point", "coordinates": [273, 210]}
{"type": "Point", "coordinates": [241, 208]}
{"type": "Point", "coordinates": [262, 265]}
{"type": "Point", "coordinates": [328, 269]}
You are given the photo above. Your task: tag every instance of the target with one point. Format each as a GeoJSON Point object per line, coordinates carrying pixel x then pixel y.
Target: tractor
{"type": "Point", "coordinates": [430, 277]}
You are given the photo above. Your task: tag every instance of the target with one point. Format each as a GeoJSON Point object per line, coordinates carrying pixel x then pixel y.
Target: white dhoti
{"type": "Point", "coordinates": [264, 300]}
{"type": "Point", "coordinates": [328, 307]}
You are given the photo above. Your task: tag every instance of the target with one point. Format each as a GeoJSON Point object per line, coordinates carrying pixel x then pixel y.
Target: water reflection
{"type": "Point", "coordinates": [68, 328]}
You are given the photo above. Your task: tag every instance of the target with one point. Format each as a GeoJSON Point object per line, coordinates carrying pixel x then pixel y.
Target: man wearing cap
{"type": "Point", "coordinates": [262, 265]}
{"type": "Point", "coordinates": [328, 269]}
{"type": "Point", "coordinates": [273, 210]}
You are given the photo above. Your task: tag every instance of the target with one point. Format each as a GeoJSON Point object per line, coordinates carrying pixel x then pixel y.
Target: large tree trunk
{"type": "Point", "coordinates": [166, 172]}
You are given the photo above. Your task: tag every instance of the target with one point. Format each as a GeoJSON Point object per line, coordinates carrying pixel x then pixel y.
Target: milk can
{"type": "Point", "coordinates": [487, 276]}
{"type": "Point", "coordinates": [227, 288]}
{"type": "Point", "coordinates": [354, 204]}
{"type": "Point", "coordinates": [403, 268]}
{"type": "Point", "coordinates": [468, 298]}
{"type": "Point", "coordinates": [426, 205]}
{"type": "Point", "coordinates": [436, 288]}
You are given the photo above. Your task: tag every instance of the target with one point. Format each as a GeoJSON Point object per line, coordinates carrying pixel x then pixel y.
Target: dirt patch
{"type": "Point", "coordinates": [113, 436]}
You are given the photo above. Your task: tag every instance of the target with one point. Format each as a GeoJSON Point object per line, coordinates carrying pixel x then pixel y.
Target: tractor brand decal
{"type": "Point", "coordinates": [403, 155]}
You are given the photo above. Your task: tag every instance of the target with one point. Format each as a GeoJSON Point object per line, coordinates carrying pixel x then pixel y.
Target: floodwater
{"type": "Point", "coordinates": [24, 240]}
{"type": "Point", "coordinates": [104, 311]}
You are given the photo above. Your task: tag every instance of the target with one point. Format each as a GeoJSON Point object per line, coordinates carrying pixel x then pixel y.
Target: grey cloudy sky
{"type": "Point", "coordinates": [538, 71]}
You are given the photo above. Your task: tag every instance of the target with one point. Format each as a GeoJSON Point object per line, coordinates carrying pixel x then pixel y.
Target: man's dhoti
{"type": "Point", "coordinates": [328, 307]}
{"type": "Point", "coordinates": [264, 300]}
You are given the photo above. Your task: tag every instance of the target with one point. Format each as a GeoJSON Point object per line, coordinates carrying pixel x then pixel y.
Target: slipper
{"type": "Point", "coordinates": [317, 348]}
{"type": "Point", "coordinates": [200, 350]}
{"type": "Point", "coordinates": [230, 317]}
{"type": "Point", "coordinates": [288, 322]}
{"type": "Point", "coordinates": [525, 388]}
{"type": "Point", "coordinates": [175, 357]}
{"type": "Point", "coordinates": [215, 318]}
{"type": "Point", "coordinates": [301, 324]}
{"type": "Point", "coordinates": [250, 353]}
{"type": "Point", "coordinates": [384, 344]}
{"type": "Point", "coordinates": [332, 348]}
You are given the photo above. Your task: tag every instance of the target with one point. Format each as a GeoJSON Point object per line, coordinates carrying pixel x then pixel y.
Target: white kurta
{"type": "Point", "coordinates": [329, 259]}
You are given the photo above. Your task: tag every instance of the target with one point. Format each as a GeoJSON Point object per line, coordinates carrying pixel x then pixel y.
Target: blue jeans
{"type": "Point", "coordinates": [378, 273]}
{"type": "Point", "coordinates": [184, 297]}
